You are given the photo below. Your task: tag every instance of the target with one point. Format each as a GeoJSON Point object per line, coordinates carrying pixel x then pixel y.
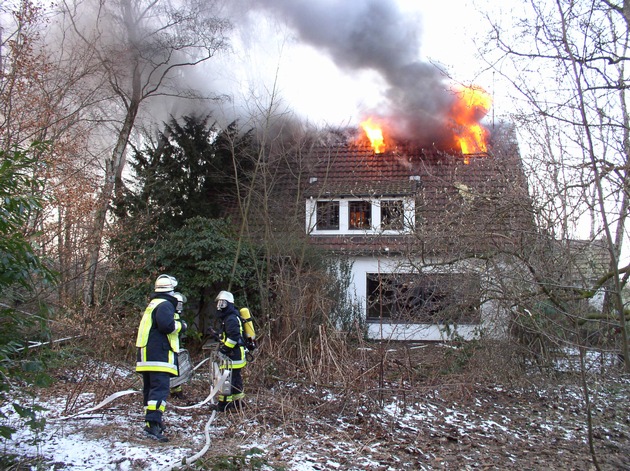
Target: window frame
{"type": "Point", "coordinates": [376, 227]}
{"type": "Point", "coordinates": [387, 222]}
{"type": "Point", "coordinates": [425, 298]}
{"type": "Point", "coordinates": [331, 210]}
{"type": "Point", "coordinates": [359, 215]}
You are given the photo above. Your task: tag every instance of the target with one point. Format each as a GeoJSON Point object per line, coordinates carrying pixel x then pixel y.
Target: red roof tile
{"type": "Point", "coordinates": [486, 191]}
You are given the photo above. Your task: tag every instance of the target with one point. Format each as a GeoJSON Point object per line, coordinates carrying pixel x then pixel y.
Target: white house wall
{"type": "Point", "coordinates": [387, 330]}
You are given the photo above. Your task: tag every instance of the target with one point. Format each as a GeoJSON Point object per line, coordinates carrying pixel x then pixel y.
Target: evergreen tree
{"type": "Point", "coordinates": [189, 174]}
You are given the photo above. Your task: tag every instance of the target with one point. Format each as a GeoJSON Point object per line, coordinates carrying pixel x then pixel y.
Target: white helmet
{"type": "Point", "coordinates": [165, 284]}
{"type": "Point", "coordinates": [181, 299]}
{"type": "Point", "coordinates": [225, 295]}
{"type": "Point", "coordinates": [223, 298]}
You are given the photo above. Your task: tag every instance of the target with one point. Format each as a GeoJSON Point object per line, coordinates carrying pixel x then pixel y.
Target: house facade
{"type": "Point", "coordinates": [417, 227]}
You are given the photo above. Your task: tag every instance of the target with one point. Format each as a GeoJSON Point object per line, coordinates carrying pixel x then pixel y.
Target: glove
{"type": "Point", "coordinates": [184, 326]}
{"type": "Point", "coordinates": [224, 350]}
{"type": "Point", "coordinates": [213, 333]}
{"type": "Point", "coordinates": [250, 344]}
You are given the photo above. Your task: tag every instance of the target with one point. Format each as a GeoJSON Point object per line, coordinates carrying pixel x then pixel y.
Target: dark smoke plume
{"type": "Point", "coordinates": [377, 35]}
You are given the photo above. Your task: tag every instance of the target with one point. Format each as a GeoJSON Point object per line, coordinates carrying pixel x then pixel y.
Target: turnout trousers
{"type": "Point", "coordinates": [155, 391]}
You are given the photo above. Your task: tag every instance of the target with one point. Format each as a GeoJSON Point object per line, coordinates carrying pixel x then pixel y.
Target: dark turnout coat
{"type": "Point", "coordinates": [232, 335]}
{"type": "Point", "coordinates": [158, 336]}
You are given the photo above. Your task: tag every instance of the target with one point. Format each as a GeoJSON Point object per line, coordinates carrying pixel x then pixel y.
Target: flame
{"type": "Point", "coordinates": [374, 133]}
{"type": "Point", "coordinates": [472, 105]}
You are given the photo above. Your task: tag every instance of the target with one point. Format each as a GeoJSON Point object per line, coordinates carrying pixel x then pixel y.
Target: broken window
{"type": "Point", "coordinates": [424, 298]}
{"type": "Point", "coordinates": [328, 215]}
{"type": "Point", "coordinates": [392, 215]}
{"type": "Point", "coordinates": [360, 215]}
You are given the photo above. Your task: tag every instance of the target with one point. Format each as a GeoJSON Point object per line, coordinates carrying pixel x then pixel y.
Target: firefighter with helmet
{"type": "Point", "coordinates": [232, 345]}
{"type": "Point", "coordinates": [158, 344]}
{"type": "Point", "coordinates": [177, 391]}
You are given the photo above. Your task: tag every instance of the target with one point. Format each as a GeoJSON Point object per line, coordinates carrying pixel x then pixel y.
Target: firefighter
{"type": "Point", "coordinates": [232, 345]}
{"type": "Point", "coordinates": [158, 344]}
{"type": "Point", "coordinates": [177, 391]}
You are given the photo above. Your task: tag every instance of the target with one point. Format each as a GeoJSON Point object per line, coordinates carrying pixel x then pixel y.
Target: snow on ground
{"type": "Point", "coordinates": [78, 444]}
{"type": "Point", "coordinates": [487, 427]}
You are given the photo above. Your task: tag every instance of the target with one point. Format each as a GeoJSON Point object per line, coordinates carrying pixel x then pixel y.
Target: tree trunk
{"type": "Point", "coordinates": [113, 169]}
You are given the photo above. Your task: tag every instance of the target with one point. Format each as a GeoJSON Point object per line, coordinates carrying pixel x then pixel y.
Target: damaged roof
{"type": "Point", "coordinates": [460, 199]}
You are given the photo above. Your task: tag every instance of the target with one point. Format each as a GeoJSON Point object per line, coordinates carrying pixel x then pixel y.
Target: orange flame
{"type": "Point", "coordinates": [374, 133]}
{"type": "Point", "coordinates": [472, 105]}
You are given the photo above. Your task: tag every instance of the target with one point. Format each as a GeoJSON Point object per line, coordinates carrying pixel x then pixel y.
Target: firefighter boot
{"type": "Point", "coordinates": [154, 431]}
{"type": "Point", "coordinates": [219, 406]}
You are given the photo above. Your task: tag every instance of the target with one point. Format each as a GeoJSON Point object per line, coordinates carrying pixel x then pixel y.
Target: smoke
{"type": "Point", "coordinates": [379, 36]}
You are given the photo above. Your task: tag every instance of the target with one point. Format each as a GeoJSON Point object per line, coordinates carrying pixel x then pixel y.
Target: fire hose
{"type": "Point", "coordinates": [219, 380]}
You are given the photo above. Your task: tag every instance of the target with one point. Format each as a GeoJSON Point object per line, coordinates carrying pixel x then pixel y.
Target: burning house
{"type": "Point", "coordinates": [426, 198]}
{"type": "Point", "coordinates": [418, 223]}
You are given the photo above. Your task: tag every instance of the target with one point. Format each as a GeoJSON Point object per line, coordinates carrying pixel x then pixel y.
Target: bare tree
{"type": "Point", "coordinates": [41, 102]}
{"type": "Point", "coordinates": [136, 51]}
{"type": "Point", "coordinates": [569, 67]}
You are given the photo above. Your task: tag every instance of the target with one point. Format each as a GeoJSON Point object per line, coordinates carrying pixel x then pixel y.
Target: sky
{"type": "Point", "coordinates": [333, 62]}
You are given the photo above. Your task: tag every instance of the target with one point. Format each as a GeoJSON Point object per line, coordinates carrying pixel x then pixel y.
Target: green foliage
{"type": "Point", "coordinates": [30, 414]}
{"type": "Point", "coordinates": [20, 202]}
{"type": "Point", "coordinates": [21, 271]}
{"type": "Point", "coordinates": [19, 463]}
{"type": "Point", "coordinates": [189, 172]}
{"type": "Point", "coordinates": [461, 352]}
{"type": "Point", "coordinates": [202, 253]}
{"type": "Point", "coordinates": [344, 315]}
{"type": "Point", "coordinates": [171, 218]}
{"type": "Point", "coordinates": [19, 325]}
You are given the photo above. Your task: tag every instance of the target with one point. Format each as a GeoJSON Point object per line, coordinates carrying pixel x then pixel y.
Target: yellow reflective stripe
{"type": "Point", "coordinates": [231, 397]}
{"type": "Point", "coordinates": [173, 337]}
{"type": "Point", "coordinates": [230, 343]}
{"type": "Point", "coordinates": [146, 323]}
{"type": "Point", "coordinates": [236, 364]}
{"type": "Point", "coordinates": [152, 405]}
{"type": "Point", "coordinates": [162, 366]}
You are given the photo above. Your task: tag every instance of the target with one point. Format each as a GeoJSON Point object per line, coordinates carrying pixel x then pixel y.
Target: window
{"type": "Point", "coordinates": [392, 215]}
{"type": "Point", "coordinates": [424, 298]}
{"type": "Point", "coordinates": [328, 215]}
{"type": "Point", "coordinates": [360, 215]}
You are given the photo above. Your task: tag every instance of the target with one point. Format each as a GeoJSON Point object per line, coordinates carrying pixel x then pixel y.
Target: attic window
{"type": "Point", "coordinates": [328, 215]}
{"type": "Point", "coordinates": [360, 215]}
{"type": "Point", "coordinates": [392, 214]}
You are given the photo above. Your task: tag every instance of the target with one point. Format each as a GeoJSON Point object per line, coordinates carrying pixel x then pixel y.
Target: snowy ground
{"type": "Point", "coordinates": [295, 428]}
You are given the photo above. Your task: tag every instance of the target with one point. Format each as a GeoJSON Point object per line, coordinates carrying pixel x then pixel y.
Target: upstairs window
{"type": "Point", "coordinates": [369, 216]}
{"type": "Point", "coordinates": [328, 215]}
{"type": "Point", "coordinates": [392, 215]}
{"type": "Point", "coordinates": [360, 215]}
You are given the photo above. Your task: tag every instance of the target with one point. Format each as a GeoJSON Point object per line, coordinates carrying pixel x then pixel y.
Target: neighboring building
{"type": "Point", "coordinates": [417, 227]}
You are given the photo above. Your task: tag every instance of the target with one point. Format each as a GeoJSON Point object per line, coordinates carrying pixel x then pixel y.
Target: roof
{"type": "Point", "coordinates": [462, 201]}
